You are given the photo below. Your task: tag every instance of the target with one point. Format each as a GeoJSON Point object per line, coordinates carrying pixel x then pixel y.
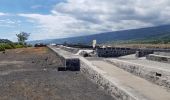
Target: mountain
{"type": "Point", "coordinates": [124, 35]}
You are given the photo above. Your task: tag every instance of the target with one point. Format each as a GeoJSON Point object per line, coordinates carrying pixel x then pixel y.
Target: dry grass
{"type": "Point", "coordinates": [31, 50]}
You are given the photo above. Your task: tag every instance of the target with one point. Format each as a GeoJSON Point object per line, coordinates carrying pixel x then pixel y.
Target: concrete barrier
{"type": "Point", "coordinates": [70, 62]}
{"type": "Point", "coordinates": [160, 58]}
{"type": "Point", "coordinates": [96, 75]}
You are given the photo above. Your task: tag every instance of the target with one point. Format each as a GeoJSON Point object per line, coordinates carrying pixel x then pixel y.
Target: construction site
{"type": "Point", "coordinates": [124, 73]}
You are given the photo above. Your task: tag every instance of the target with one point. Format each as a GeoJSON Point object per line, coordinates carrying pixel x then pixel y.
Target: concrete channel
{"type": "Point", "coordinates": [120, 84]}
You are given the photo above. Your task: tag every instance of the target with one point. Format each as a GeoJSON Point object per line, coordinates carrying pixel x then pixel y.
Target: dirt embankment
{"type": "Point", "coordinates": [31, 74]}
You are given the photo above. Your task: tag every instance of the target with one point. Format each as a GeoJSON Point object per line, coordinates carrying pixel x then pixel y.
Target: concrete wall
{"type": "Point", "coordinates": [162, 53]}
{"type": "Point", "coordinates": [99, 77]}
{"type": "Point", "coordinates": [69, 61]}
{"type": "Point", "coordinates": [159, 58]}
{"type": "Point", "coordinates": [60, 56]}
{"type": "Point", "coordinates": [145, 52]}
{"type": "Point", "coordinates": [157, 76]}
{"type": "Point", "coordinates": [114, 52]}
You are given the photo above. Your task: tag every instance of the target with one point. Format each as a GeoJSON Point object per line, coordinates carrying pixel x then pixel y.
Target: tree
{"type": "Point", "coordinates": [22, 37]}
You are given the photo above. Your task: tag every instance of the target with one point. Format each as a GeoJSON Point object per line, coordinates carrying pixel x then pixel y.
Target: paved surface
{"type": "Point", "coordinates": [31, 74]}
{"type": "Point", "coordinates": [147, 63]}
{"type": "Point", "coordinates": [63, 53]}
{"type": "Point", "coordinates": [132, 84]}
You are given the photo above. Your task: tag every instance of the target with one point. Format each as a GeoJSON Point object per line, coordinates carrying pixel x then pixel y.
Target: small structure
{"type": "Point", "coordinates": [94, 44]}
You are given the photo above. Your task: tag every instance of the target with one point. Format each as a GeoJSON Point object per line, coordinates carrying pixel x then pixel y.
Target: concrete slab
{"type": "Point", "coordinates": [121, 84]}
{"type": "Point", "coordinates": [156, 72]}
{"type": "Point", "coordinates": [139, 88]}
{"type": "Point", "coordinates": [148, 63]}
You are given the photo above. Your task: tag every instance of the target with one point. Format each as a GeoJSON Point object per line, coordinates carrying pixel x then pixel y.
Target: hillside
{"type": "Point", "coordinates": [154, 33]}
{"type": "Point", "coordinates": [5, 41]}
{"type": "Point", "coordinates": [159, 39]}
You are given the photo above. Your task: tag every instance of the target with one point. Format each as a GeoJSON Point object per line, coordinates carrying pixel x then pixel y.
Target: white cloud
{"type": "Point", "coordinates": [58, 26]}
{"type": "Point", "coordinates": [9, 23]}
{"type": "Point", "coordinates": [3, 14]}
{"type": "Point", "coordinates": [83, 17]}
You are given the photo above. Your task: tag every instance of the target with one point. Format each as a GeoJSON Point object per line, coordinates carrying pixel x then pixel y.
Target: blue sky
{"type": "Point", "coordinates": [11, 23]}
{"type": "Point", "coordinates": [51, 19]}
{"type": "Point", "coordinates": [27, 6]}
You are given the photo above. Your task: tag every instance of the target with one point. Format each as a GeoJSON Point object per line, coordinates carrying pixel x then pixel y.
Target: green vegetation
{"type": "Point", "coordinates": [7, 44]}
{"type": "Point", "coordinates": [163, 39]}
{"type": "Point", "coordinates": [22, 37]}
{"type": "Point", "coordinates": [4, 46]}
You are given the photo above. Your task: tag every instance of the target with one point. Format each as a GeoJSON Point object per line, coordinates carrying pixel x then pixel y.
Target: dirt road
{"type": "Point", "coordinates": [31, 74]}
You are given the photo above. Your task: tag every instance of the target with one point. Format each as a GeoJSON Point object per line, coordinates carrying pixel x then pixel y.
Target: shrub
{"type": "Point", "coordinates": [12, 45]}
{"type": "Point", "coordinates": [8, 46]}
{"type": "Point", "coordinates": [2, 48]}
{"type": "Point", "coordinates": [19, 46]}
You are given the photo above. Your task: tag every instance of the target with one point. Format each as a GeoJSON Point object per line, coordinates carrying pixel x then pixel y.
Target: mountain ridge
{"type": "Point", "coordinates": [123, 35]}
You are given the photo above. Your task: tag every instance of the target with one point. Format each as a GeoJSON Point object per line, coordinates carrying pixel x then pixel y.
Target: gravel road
{"type": "Point", "coordinates": [31, 74]}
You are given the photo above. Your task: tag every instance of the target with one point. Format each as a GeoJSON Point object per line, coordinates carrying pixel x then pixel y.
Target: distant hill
{"type": "Point", "coordinates": [158, 32]}
{"type": "Point", "coordinates": [5, 41]}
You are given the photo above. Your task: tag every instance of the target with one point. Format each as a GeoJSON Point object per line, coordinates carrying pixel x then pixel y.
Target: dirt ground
{"type": "Point", "coordinates": [31, 74]}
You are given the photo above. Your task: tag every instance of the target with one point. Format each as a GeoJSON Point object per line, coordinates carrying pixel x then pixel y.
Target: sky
{"type": "Point", "coordinates": [52, 19]}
